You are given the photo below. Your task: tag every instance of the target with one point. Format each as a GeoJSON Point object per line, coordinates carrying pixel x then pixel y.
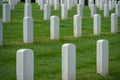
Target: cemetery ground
{"type": "Point", "coordinates": [47, 53]}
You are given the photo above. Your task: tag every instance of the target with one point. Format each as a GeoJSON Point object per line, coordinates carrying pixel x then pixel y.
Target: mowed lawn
{"type": "Point", "coordinates": [47, 53]}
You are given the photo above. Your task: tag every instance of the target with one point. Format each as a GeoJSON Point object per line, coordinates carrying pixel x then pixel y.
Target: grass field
{"type": "Point", "coordinates": [47, 53]}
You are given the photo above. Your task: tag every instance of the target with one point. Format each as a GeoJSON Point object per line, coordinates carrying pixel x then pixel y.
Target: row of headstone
{"type": "Point", "coordinates": [106, 6]}
{"type": "Point", "coordinates": [47, 12]}
{"type": "Point", "coordinates": [28, 23]}
{"type": "Point", "coordinates": [25, 61]}
{"type": "Point", "coordinates": [57, 3]}
{"type": "Point", "coordinates": [54, 25]}
{"type": "Point", "coordinates": [105, 9]}
{"type": "Point", "coordinates": [100, 3]}
{"type": "Point", "coordinates": [64, 11]}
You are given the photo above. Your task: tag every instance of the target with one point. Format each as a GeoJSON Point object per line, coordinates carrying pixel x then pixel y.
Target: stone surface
{"type": "Point", "coordinates": [39, 2]}
{"type": "Point", "coordinates": [12, 5]}
{"type": "Point", "coordinates": [56, 4]}
{"type": "Point", "coordinates": [6, 13]}
{"type": "Point", "coordinates": [90, 3]}
{"type": "Point", "coordinates": [101, 5]}
{"type": "Point", "coordinates": [118, 2]}
{"type": "Point", "coordinates": [98, 3]}
{"type": "Point", "coordinates": [47, 12]}
{"type": "Point", "coordinates": [51, 2]}
{"type": "Point", "coordinates": [48, 2]}
{"type": "Point", "coordinates": [42, 2]}
{"type": "Point", "coordinates": [106, 1]}
{"type": "Point", "coordinates": [77, 26]}
{"type": "Point", "coordinates": [113, 3]}
{"type": "Point", "coordinates": [106, 10]}
{"type": "Point", "coordinates": [114, 23]}
{"type": "Point", "coordinates": [25, 64]}
{"type": "Point", "coordinates": [28, 10]}
{"type": "Point", "coordinates": [80, 9]}
{"type": "Point", "coordinates": [69, 4]}
{"type": "Point", "coordinates": [68, 62]}
{"type": "Point", "coordinates": [1, 33]}
{"type": "Point", "coordinates": [110, 5]}
{"type": "Point", "coordinates": [28, 1]}
{"type": "Point", "coordinates": [97, 24]}
{"type": "Point", "coordinates": [54, 27]}
{"type": "Point", "coordinates": [117, 9]}
{"type": "Point", "coordinates": [36, 1]}
{"type": "Point", "coordinates": [93, 9]}
{"type": "Point", "coordinates": [102, 57]}
{"type": "Point", "coordinates": [64, 11]}
{"type": "Point", "coordinates": [82, 2]}
{"type": "Point", "coordinates": [62, 2]}
{"type": "Point", "coordinates": [28, 30]}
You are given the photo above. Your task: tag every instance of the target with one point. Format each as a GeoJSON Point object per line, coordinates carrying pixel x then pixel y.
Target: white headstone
{"type": "Point", "coordinates": [98, 3]}
{"type": "Point", "coordinates": [64, 11]}
{"type": "Point", "coordinates": [68, 62]}
{"type": "Point", "coordinates": [113, 3]}
{"type": "Point", "coordinates": [75, 2]}
{"type": "Point", "coordinates": [42, 4]}
{"type": "Point", "coordinates": [36, 1]}
{"type": "Point", "coordinates": [118, 2]}
{"type": "Point", "coordinates": [6, 13]}
{"type": "Point", "coordinates": [77, 26]}
{"type": "Point", "coordinates": [54, 27]}
{"type": "Point", "coordinates": [62, 2]}
{"type": "Point", "coordinates": [117, 9]}
{"type": "Point", "coordinates": [56, 4]}
{"type": "Point", "coordinates": [97, 24]}
{"type": "Point", "coordinates": [90, 3]}
{"type": "Point", "coordinates": [28, 1]}
{"type": "Point", "coordinates": [110, 5]}
{"type": "Point", "coordinates": [80, 9]}
{"type": "Point", "coordinates": [69, 4]}
{"type": "Point", "coordinates": [82, 2]}
{"type": "Point", "coordinates": [106, 10]}
{"type": "Point", "coordinates": [114, 23]}
{"type": "Point", "coordinates": [12, 5]}
{"type": "Point", "coordinates": [101, 5]}
{"type": "Point", "coordinates": [102, 57]}
{"type": "Point", "coordinates": [93, 9]}
{"type": "Point", "coordinates": [25, 64]}
{"type": "Point", "coordinates": [48, 2]}
{"type": "Point", "coordinates": [28, 10]}
{"type": "Point", "coordinates": [106, 1]}
{"type": "Point", "coordinates": [39, 2]}
{"type": "Point", "coordinates": [47, 12]}
{"type": "Point", "coordinates": [1, 33]}
{"type": "Point", "coordinates": [51, 2]}
{"type": "Point", "coordinates": [28, 29]}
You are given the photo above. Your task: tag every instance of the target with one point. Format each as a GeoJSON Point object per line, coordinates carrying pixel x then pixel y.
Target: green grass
{"type": "Point", "coordinates": [47, 53]}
